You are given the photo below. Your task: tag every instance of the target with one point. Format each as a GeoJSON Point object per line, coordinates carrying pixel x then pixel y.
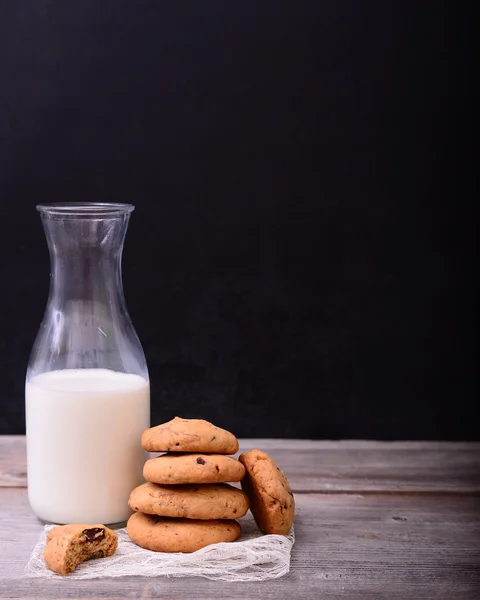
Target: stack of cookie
{"type": "Point", "coordinates": [186, 503]}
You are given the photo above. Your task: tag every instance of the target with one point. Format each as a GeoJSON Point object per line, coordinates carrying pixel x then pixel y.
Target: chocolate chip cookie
{"type": "Point", "coordinates": [69, 545]}
{"type": "Point", "coordinates": [163, 534]}
{"type": "Point", "coordinates": [220, 501]}
{"type": "Point", "coordinates": [271, 499]}
{"type": "Point", "coordinates": [193, 468]}
{"type": "Point", "coordinates": [189, 435]}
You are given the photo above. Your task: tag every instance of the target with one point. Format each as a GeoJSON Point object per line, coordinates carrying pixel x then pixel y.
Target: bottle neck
{"type": "Point", "coordinates": [85, 257]}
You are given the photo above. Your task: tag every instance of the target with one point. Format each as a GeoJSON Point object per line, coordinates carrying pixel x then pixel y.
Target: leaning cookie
{"type": "Point", "coordinates": [271, 499]}
{"type": "Point", "coordinates": [163, 534]}
{"type": "Point", "coordinates": [69, 545]}
{"type": "Point", "coordinates": [205, 502]}
{"type": "Point", "coordinates": [189, 435]}
{"type": "Point", "coordinates": [193, 468]}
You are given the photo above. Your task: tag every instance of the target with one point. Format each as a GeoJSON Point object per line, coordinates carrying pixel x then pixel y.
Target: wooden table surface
{"type": "Point", "coordinates": [374, 520]}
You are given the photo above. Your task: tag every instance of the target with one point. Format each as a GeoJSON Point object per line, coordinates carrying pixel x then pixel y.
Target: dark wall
{"type": "Point", "coordinates": [299, 262]}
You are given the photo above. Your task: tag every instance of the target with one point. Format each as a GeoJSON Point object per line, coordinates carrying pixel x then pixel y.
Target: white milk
{"type": "Point", "coordinates": [83, 443]}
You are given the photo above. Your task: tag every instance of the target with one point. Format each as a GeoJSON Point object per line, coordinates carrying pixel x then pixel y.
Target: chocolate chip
{"type": "Point", "coordinates": [200, 461]}
{"type": "Point", "coordinates": [96, 534]}
{"type": "Point", "coordinates": [213, 438]}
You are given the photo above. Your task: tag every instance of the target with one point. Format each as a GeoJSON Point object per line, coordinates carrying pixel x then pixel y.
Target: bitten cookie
{"type": "Point", "coordinates": [271, 499]}
{"type": "Point", "coordinates": [221, 501]}
{"type": "Point", "coordinates": [189, 435]}
{"type": "Point", "coordinates": [193, 468]}
{"type": "Point", "coordinates": [69, 545]}
{"type": "Point", "coordinates": [163, 534]}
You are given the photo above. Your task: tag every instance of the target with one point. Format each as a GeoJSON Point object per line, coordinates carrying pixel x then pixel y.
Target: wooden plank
{"type": "Point", "coordinates": [371, 466]}
{"type": "Point", "coordinates": [346, 466]}
{"type": "Point", "coordinates": [13, 461]}
{"type": "Point", "coordinates": [347, 546]}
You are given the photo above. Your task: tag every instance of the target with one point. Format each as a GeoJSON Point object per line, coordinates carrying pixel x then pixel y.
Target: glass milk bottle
{"type": "Point", "coordinates": [87, 389]}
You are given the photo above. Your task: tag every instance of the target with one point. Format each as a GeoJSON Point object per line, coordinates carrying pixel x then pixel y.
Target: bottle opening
{"type": "Point", "coordinates": [85, 209]}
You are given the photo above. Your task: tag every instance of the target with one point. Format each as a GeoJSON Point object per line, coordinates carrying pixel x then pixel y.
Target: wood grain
{"type": "Point", "coordinates": [13, 461]}
{"type": "Point", "coordinates": [348, 466]}
{"type": "Point", "coordinates": [374, 520]}
{"type": "Point", "coordinates": [347, 546]}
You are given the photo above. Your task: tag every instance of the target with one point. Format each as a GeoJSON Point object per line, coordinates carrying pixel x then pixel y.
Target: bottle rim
{"type": "Point", "coordinates": [85, 209]}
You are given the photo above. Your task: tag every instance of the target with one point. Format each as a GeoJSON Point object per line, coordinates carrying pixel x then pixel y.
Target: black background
{"type": "Point", "coordinates": [299, 262]}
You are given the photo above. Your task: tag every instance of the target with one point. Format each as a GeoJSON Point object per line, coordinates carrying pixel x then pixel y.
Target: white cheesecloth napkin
{"type": "Point", "coordinates": [253, 557]}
